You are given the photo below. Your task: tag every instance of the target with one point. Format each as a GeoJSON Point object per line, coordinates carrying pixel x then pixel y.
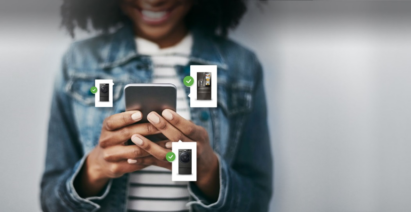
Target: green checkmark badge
{"type": "Point", "coordinates": [170, 156]}
{"type": "Point", "coordinates": [188, 81]}
{"type": "Point", "coordinates": [93, 90]}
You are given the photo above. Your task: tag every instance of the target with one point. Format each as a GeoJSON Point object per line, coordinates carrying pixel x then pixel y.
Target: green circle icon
{"type": "Point", "coordinates": [93, 90]}
{"type": "Point", "coordinates": [188, 81]}
{"type": "Point", "coordinates": [170, 156]}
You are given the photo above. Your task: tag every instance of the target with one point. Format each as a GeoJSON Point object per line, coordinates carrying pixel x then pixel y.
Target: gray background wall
{"type": "Point", "coordinates": [338, 81]}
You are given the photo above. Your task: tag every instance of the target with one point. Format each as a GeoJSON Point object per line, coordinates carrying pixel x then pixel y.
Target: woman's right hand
{"type": "Point", "coordinates": [112, 158]}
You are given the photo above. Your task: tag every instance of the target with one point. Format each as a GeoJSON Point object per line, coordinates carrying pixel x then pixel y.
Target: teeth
{"type": "Point", "coordinates": [153, 15]}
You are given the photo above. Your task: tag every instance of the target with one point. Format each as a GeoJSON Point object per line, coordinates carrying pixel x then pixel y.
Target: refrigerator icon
{"type": "Point", "coordinates": [204, 85]}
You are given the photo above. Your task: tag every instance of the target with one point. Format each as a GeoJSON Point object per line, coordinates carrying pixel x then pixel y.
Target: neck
{"type": "Point", "coordinates": [168, 40]}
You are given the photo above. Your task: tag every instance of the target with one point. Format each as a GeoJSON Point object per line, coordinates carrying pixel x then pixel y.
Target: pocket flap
{"type": "Point", "coordinates": [78, 87]}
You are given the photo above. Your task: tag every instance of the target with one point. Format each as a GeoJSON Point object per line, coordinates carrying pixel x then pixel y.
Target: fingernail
{"type": "Point", "coordinates": [154, 118]}
{"type": "Point", "coordinates": [168, 145]}
{"type": "Point", "coordinates": [131, 161]}
{"type": "Point", "coordinates": [135, 139]}
{"type": "Point", "coordinates": [167, 115]}
{"type": "Point", "coordinates": [136, 116]}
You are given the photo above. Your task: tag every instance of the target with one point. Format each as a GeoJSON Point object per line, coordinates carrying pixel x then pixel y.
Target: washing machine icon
{"type": "Point", "coordinates": [184, 163]}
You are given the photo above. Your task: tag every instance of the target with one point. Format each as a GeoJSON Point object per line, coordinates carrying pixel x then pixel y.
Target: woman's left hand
{"type": "Point", "coordinates": [176, 128]}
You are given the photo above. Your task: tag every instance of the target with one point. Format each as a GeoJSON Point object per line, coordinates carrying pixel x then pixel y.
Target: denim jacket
{"type": "Point", "coordinates": [237, 128]}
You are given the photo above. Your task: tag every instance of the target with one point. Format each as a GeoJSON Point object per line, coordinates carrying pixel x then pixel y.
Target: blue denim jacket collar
{"type": "Point", "coordinates": [123, 49]}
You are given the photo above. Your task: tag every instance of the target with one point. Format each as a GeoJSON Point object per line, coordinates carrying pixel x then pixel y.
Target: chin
{"type": "Point", "coordinates": [154, 33]}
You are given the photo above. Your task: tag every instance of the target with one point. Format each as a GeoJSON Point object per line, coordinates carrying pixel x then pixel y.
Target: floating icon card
{"type": "Point", "coordinates": [103, 91]}
{"type": "Point", "coordinates": [184, 167]}
{"type": "Point", "coordinates": [203, 93]}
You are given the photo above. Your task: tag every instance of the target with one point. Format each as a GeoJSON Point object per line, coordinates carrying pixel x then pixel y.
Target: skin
{"type": "Point", "coordinates": [111, 158]}
{"type": "Point", "coordinates": [166, 33]}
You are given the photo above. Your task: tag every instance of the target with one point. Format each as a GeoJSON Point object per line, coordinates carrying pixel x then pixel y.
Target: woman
{"type": "Point", "coordinates": [88, 165]}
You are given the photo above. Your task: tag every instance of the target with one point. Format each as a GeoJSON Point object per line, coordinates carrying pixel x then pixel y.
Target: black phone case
{"type": "Point", "coordinates": [150, 97]}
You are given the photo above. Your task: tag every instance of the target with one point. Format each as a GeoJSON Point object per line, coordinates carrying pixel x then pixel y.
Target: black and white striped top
{"type": "Point", "coordinates": [151, 189]}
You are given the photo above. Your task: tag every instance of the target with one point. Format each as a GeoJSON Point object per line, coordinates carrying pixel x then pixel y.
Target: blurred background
{"type": "Point", "coordinates": [337, 78]}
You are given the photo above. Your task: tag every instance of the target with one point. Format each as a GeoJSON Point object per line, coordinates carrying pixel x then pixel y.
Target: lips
{"type": "Point", "coordinates": [155, 17]}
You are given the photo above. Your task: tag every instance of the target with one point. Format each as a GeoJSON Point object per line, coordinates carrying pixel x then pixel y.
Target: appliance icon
{"type": "Point", "coordinates": [184, 163]}
{"type": "Point", "coordinates": [204, 85]}
{"type": "Point", "coordinates": [104, 92]}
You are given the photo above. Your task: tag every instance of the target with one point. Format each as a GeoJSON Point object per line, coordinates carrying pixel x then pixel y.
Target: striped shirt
{"type": "Point", "coordinates": [151, 188]}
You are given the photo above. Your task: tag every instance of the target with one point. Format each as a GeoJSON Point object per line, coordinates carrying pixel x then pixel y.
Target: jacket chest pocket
{"type": "Point", "coordinates": [89, 119]}
{"type": "Point", "coordinates": [79, 89]}
{"type": "Point", "coordinates": [234, 99]}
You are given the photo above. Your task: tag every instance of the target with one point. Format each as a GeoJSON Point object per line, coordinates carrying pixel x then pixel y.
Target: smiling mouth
{"type": "Point", "coordinates": [155, 17]}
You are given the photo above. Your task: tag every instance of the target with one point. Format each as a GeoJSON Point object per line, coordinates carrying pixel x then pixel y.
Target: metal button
{"type": "Point", "coordinates": [204, 116]}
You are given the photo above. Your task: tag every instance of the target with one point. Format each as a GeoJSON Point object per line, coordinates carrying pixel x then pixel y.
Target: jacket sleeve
{"type": "Point", "coordinates": [246, 184]}
{"type": "Point", "coordinates": [64, 156]}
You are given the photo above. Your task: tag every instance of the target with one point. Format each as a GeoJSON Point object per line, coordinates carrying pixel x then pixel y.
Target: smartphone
{"type": "Point", "coordinates": [149, 97]}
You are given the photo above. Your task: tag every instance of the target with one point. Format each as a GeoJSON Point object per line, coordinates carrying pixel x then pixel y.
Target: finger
{"type": "Point", "coordinates": [164, 144]}
{"type": "Point", "coordinates": [122, 167]}
{"type": "Point", "coordinates": [150, 160]}
{"type": "Point", "coordinates": [111, 138]}
{"type": "Point", "coordinates": [172, 133]}
{"type": "Point", "coordinates": [118, 153]}
{"type": "Point", "coordinates": [120, 120]}
{"type": "Point", "coordinates": [187, 127]}
{"type": "Point", "coordinates": [150, 147]}
{"type": "Point", "coordinates": [131, 161]}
